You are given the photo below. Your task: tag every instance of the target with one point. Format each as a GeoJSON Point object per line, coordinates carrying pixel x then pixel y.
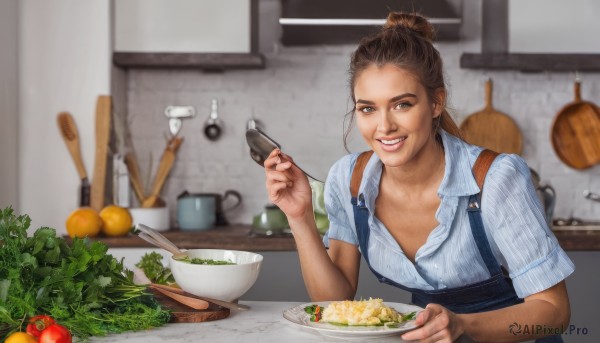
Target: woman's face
{"type": "Point", "coordinates": [393, 113]}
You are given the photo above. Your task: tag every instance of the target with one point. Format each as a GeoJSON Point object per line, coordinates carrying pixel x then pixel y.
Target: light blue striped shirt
{"type": "Point", "coordinates": [512, 215]}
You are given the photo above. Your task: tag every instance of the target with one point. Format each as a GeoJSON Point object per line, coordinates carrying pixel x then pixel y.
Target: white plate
{"type": "Point", "coordinates": [298, 316]}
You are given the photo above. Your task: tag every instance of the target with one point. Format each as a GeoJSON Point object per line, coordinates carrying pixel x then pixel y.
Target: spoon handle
{"type": "Point", "coordinates": [158, 244]}
{"type": "Point", "coordinates": [158, 237]}
{"type": "Point", "coordinates": [226, 304]}
{"type": "Point", "coordinates": [195, 303]}
{"type": "Point", "coordinates": [307, 174]}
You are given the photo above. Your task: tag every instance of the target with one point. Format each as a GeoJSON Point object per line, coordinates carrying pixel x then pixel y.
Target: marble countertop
{"type": "Point", "coordinates": [264, 322]}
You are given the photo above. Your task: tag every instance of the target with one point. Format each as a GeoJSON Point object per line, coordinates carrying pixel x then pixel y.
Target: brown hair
{"type": "Point", "coordinates": [406, 42]}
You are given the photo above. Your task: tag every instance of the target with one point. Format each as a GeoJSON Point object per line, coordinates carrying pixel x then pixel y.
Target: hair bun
{"type": "Point", "coordinates": [414, 22]}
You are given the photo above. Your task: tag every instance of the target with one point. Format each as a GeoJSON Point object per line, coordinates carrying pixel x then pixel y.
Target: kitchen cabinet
{"type": "Point", "coordinates": [537, 35]}
{"type": "Point", "coordinates": [210, 34]}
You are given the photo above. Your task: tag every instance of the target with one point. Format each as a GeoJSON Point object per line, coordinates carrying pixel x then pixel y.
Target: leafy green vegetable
{"type": "Point", "coordinates": [81, 286]}
{"type": "Point", "coordinates": [152, 266]}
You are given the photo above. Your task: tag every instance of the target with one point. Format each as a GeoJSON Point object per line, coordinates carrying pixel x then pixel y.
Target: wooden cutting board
{"type": "Point", "coordinates": [183, 314]}
{"type": "Point", "coordinates": [576, 133]}
{"type": "Point", "coordinates": [492, 129]}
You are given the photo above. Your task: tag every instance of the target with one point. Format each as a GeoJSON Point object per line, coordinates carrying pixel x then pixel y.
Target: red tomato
{"type": "Point", "coordinates": [55, 333]}
{"type": "Point", "coordinates": [37, 324]}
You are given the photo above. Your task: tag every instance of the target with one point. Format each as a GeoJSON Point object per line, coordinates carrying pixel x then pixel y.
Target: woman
{"type": "Point", "coordinates": [412, 208]}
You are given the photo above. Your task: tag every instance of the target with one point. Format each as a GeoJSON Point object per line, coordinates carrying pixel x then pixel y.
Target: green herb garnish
{"type": "Point", "coordinates": [315, 312]}
{"type": "Point", "coordinates": [206, 261]}
{"type": "Point", "coordinates": [409, 316]}
{"type": "Point", "coordinates": [152, 266]}
{"type": "Point", "coordinates": [79, 285]}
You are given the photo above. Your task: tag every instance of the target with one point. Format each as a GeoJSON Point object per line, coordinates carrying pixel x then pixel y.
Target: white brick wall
{"type": "Point", "coordinates": [302, 97]}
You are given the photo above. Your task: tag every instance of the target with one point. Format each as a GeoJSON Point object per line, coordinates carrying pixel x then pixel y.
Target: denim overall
{"type": "Point", "coordinates": [491, 294]}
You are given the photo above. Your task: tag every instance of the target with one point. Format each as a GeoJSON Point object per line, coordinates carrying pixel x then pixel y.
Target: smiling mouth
{"type": "Point", "coordinates": [392, 141]}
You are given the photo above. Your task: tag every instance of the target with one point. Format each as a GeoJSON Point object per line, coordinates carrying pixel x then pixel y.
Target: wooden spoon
{"type": "Point", "coordinates": [143, 279]}
{"type": "Point", "coordinates": [181, 292]}
{"type": "Point", "coordinates": [166, 162]}
{"type": "Point", "coordinates": [70, 134]}
{"type": "Point", "coordinates": [492, 129]}
{"type": "Point", "coordinates": [195, 303]}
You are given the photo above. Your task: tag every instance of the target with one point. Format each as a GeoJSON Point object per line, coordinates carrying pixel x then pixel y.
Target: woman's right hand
{"type": "Point", "coordinates": [287, 186]}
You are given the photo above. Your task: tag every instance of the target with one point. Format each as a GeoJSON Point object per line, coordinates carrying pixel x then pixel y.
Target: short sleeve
{"type": "Point", "coordinates": [337, 202]}
{"type": "Point", "coordinates": [520, 235]}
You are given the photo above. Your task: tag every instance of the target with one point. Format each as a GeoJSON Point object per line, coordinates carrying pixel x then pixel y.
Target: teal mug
{"type": "Point", "coordinates": [202, 211]}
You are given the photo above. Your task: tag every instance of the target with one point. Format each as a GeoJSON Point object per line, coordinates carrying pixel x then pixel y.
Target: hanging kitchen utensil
{"type": "Point", "coordinates": [575, 133]}
{"type": "Point", "coordinates": [103, 110]}
{"type": "Point", "coordinates": [176, 114]}
{"type": "Point", "coordinates": [492, 129]}
{"type": "Point", "coordinates": [70, 135]}
{"type": "Point", "coordinates": [261, 147]}
{"type": "Point", "coordinates": [166, 162]}
{"type": "Point", "coordinates": [213, 128]}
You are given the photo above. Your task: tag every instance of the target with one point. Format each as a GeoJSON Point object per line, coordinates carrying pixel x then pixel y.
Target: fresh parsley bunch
{"type": "Point", "coordinates": [79, 285]}
{"type": "Point", "coordinates": [151, 264]}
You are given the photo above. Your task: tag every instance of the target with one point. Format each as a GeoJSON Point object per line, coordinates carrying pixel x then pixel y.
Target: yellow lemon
{"type": "Point", "coordinates": [83, 222]}
{"type": "Point", "coordinates": [116, 220]}
{"type": "Point", "coordinates": [20, 337]}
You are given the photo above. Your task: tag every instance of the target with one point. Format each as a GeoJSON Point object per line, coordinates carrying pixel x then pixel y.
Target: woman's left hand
{"type": "Point", "coordinates": [438, 324]}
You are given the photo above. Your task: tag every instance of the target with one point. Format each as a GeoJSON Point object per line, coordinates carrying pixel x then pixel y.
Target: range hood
{"type": "Point", "coordinates": [309, 22]}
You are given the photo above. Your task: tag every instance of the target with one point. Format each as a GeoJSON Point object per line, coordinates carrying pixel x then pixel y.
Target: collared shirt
{"type": "Point", "coordinates": [512, 216]}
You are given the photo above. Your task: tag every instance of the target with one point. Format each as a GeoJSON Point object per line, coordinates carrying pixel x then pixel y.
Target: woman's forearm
{"type": "Point", "coordinates": [530, 320]}
{"type": "Point", "coordinates": [323, 279]}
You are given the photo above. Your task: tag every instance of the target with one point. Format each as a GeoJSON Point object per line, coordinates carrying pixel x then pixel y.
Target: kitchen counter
{"type": "Point", "coordinates": [240, 237]}
{"type": "Point", "coordinates": [264, 322]}
{"type": "Point", "coordinates": [234, 237]}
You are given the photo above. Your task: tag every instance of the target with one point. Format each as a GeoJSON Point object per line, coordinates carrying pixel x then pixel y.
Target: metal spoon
{"type": "Point", "coordinates": [157, 239]}
{"type": "Point", "coordinates": [261, 147]}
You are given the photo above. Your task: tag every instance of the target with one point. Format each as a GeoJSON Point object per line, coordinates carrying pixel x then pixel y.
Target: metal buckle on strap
{"type": "Point", "coordinates": [361, 200]}
{"type": "Point", "coordinates": [474, 204]}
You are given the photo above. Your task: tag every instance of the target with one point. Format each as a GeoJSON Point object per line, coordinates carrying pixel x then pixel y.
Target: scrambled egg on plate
{"type": "Point", "coordinates": [360, 312]}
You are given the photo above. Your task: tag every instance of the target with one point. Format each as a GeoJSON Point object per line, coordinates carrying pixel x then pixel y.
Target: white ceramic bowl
{"type": "Point", "coordinates": [154, 217]}
{"type": "Point", "coordinates": [223, 282]}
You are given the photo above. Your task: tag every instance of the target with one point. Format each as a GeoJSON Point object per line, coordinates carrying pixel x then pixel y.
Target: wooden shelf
{"type": "Point", "coordinates": [212, 61]}
{"type": "Point", "coordinates": [240, 237]}
{"type": "Point", "coordinates": [579, 240]}
{"type": "Point", "coordinates": [234, 237]}
{"type": "Point", "coordinates": [531, 62]}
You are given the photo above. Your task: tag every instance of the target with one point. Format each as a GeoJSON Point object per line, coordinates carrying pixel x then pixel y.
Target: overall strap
{"type": "Point", "coordinates": [482, 165]}
{"type": "Point", "coordinates": [361, 214]}
{"type": "Point", "coordinates": [480, 169]}
{"type": "Point", "coordinates": [357, 172]}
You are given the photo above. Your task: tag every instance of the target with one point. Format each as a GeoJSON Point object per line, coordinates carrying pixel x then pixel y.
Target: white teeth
{"type": "Point", "coordinates": [393, 141]}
